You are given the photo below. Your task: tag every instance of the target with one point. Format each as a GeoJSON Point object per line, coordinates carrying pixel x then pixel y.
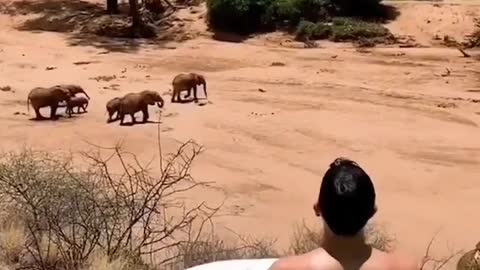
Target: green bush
{"type": "Point", "coordinates": [342, 29]}
{"type": "Point", "coordinates": [347, 29]}
{"type": "Point", "coordinates": [363, 8]}
{"type": "Point", "coordinates": [310, 31]}
{"type": "Point", "coordinates": [248, 16]}
{"type": "Point", "coordinates": [291, 12]}
{"type": "Point", "coordinates": [241, 16]}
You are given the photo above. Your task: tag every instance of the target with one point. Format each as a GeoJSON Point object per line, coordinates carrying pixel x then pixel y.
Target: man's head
{"type": "Point", "coordinates": [347, 198]}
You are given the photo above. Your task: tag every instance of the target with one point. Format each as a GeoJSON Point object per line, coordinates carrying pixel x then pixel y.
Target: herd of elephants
{"type": "Point", "coordinates": [130, 103]}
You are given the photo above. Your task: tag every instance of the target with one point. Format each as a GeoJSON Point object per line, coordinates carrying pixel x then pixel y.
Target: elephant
{"type": "Point", "coordinates": [73, 89]}
{"type": "Point", "coordinates": [40, 97]}
{"type": "Point", "coordinates": [470, 260]}
{"type": "Point", "coordinates": [79, 102]}
{"type": "Point", "coordinates": [113, 107]}
{"type": "Point", "coordinates": [134, 102]}
{"type": "Point", "coordinates": [188, 81]}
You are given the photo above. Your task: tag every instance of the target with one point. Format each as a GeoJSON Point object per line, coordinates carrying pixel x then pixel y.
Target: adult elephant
{"type": "Point", "coordinates": [74, 89]}
{"type": "Point", "coordinates": [187, 81]}
{"type": "Point", "coordinates": [134, 102]}
{"type": "Point", "coordinates": [40, 97]}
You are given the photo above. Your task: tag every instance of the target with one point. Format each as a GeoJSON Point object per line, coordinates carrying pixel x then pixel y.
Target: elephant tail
{"type": "Point", "coordinates": [205, 89]}
{"type": "Point", "coordinates": [28, 104]}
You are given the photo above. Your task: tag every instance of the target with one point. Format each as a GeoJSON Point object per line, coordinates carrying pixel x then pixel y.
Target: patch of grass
{"type": "Point", "coordinates": [348, 29]}
{"type": "Point", "coordinates": [12, 242]}
{"type": "Point", "coordinates": [312, 31]}
{"type": "Point", "coordinates": [212, 248]}
{"type": "Point", "coordinates": [343, 29]}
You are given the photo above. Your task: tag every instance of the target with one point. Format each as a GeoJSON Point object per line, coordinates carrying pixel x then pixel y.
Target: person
{"type": "Point", "coordinates": [346, 202]}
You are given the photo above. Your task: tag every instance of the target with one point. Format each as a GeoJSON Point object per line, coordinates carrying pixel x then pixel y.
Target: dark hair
{"type": "Point", "coordinates": [347, 197]}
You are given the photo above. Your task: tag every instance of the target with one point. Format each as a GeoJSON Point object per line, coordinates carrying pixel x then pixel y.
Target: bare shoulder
{"type": "Point", "coordinates": [291, 262]}
{"type": "Point", "coordinates": [307, 261]}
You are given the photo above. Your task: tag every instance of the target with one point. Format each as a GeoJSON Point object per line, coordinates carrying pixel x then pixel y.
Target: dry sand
{"type": "Point", "coordinates": [412, 126]}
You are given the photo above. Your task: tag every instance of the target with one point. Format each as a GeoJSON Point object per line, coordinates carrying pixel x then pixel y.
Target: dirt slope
{"type": "Point", "coordinates": [412, 125]}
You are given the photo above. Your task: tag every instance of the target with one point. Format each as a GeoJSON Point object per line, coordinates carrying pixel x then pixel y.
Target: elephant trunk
{"type": "Point", "coordinates": [205, 88]}
{"type": "Point", "coordinates": [83, 91]}
{"type": "Point", "coordinates": [160, 103]}
{"type": "Point", "coordinates": [28, 104]}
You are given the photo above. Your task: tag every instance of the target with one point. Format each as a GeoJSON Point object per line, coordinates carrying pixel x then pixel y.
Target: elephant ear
{"type": "Point", "coordinates": [200, 79]}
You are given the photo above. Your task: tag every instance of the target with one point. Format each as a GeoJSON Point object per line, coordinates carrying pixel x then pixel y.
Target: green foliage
{"type": "Point", "coordinates": [347, 29]}
{"type": "Point", "coordinates": [310, 31]}
{"type": "Point", "coordinates": [242, 16]}
{"type": "Point", "coordinates": [366, 8]}
{"type": "Point", "coordinates": [341, 29]}
{"type": "Point", "coordinates": [291, 12]}
{"type": "Point", "coordinates": [310, 18]}
{"type": "Point", "coordinates": [247, 16]}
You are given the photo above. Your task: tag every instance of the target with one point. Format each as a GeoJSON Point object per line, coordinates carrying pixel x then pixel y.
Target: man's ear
{"type": "Point", "coordinates": [316, 209]}
{"type": "Point", "coordinates": [374, 211]}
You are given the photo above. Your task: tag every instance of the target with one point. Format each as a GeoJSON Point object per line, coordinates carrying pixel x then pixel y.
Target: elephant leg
{"type": "Point", "coordinates": [37, 114]}
{"type": "Point", "coordinates": [179, 98]}
{"type": "Point", "coordinates": [69, 111]}
{"type": "Point", "coordinates": [189, 92]}
{"type": "Point", "coordinates": [145, 114]}
{"type": "Point", "coordinates": [132, 115]}
{"type": "Point", "coordinates": [195, 93]}
{"type": "Point", "coordinates": [122, 118]}
{"type": "Point", "coordinates": [53, 112]}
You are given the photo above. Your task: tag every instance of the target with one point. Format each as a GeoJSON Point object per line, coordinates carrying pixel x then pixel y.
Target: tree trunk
{"type": "Point", "coordinates": [112, 6]}
{"type": "Point", "coordinates": [136, 20]}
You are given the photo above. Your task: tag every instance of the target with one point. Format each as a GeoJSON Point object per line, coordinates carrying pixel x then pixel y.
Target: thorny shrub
{"type": "Point", "coordinates": [68, 214]}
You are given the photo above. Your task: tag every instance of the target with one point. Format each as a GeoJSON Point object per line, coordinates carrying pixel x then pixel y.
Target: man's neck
{"type": "Point", "coordinates": [335, 244]}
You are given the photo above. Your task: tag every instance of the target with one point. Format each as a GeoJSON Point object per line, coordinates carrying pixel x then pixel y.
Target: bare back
{"type": "Point", "coordinates": [320, 259]}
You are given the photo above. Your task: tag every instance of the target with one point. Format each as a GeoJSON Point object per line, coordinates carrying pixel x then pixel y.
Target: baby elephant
{"type": "Point", "coordinates": [79, 102]}
{"type": "Point", "coordinates": [113, 106]}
